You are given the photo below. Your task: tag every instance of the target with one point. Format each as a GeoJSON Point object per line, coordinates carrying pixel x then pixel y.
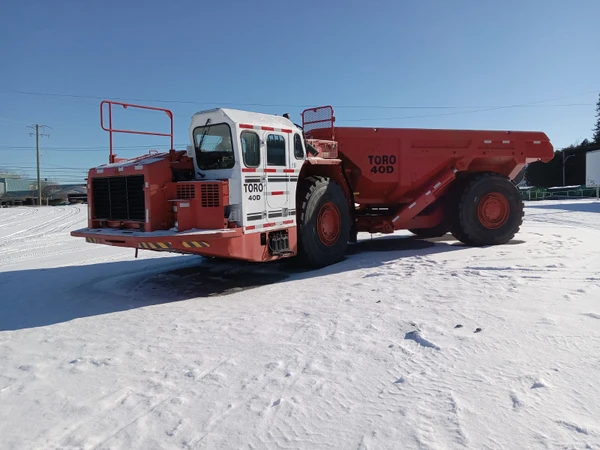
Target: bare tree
{"type": "Point", "coordinates": [49, 188]}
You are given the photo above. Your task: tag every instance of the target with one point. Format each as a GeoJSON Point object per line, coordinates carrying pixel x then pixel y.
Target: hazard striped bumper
{"type": "Point", "coordinates": [195, 244]}
{"type": "Point", "coordinates": [155, 245]}
{"type": "Point", "coordinates": [146, 245]}
{"type": "Point", "coordinates": [160, 240]}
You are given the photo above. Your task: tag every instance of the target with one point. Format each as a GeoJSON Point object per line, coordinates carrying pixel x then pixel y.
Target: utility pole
{"type": "Point", "coordinates": [37, 156]}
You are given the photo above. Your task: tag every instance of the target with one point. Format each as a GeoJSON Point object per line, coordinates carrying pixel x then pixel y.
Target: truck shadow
{"type": "Point", "coordinates": [41, 297]}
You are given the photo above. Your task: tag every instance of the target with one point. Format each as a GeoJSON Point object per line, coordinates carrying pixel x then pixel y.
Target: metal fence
{"type": "Point", "coordinates": [570, 192]}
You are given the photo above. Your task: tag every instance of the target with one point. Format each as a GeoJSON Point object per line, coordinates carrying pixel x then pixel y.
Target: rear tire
{"type": "Point", "coordinates": [487, 209]}
{"type": "Point", "coordinates": [324, 222]}
{"type": "Point", "coordinates": [451, 207]}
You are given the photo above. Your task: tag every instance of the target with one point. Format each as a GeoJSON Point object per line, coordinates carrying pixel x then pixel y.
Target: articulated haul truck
{"type": "Point", "coordinates": [258, 187]}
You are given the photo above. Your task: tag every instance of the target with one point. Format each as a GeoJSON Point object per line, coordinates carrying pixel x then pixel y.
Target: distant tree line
{"type": "Point", "coordinates": [550, 174]}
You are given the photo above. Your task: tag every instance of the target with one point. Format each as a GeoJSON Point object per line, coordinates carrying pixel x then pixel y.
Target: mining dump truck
{"type": "Point", "coordinates": [258, 187]}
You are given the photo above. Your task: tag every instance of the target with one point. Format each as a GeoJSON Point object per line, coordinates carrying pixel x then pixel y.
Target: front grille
{"type": "Point", "coordinates": [209, 195]}
{"type": "Point", "coordinates": [186, 191]}
{"type": "Point", "coordinates": [119, 198]}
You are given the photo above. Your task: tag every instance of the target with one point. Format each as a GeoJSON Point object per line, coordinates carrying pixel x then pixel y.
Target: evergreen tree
{"type": "Point", "coordinates": [597, 127]}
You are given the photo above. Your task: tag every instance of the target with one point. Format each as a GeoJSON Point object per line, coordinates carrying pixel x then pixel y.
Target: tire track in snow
{"type": "Point", "coordinates": [20, 217]}
{"type": "Point", "coordinates": [45, 229]}
{"type": "Point", "coordinates": [35, 229]}
{"type": "Point", "coordinates": [51, 237]}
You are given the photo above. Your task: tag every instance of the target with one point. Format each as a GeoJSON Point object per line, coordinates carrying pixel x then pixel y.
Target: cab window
{"type": "Point", "coordinates": [213, 146]}
{"type": "Point", "coordinates": [298, 149]}
{"type": "Point", "coordinates": [250, 148]}
{"type": "Point", "coordinates": [275, 150]}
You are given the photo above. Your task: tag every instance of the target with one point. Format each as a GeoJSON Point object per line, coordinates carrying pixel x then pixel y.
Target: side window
{"type": "Point", "coordinates": [250, 148]}
{"type": "Point", "coordinates": [298, 150]}
{"type": "Point", "coordinates": [275, 150]}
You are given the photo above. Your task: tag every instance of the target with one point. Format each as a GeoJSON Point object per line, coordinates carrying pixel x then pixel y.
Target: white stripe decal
{"type": "Point", "coordinates": [428, 193]}
{"type": "Point", "coordinates": [537, 142]}
{"type": "Point", "coordinates": [262, 128]}
{"type": "Point", "coordinates": [487, 142]}
{"type": "Point", "coordinates": [412, 206]}
{"type": "Point", "coordinates": [506, 142]}
{"type": "Point", "coordinates": [139, 167]}
{"type": "Point", "coordinates": [99, 170]}
{"type": "Point", "coordinates": [395, 218]}
{"type": "Point", "coordinates": [437, 185]}
{"type": "Point", "coordinates": [273, 225]}
{"type": "Point", "coordinates": [286, 171]}
{"type": "Point", "coordinates": [147, 215]}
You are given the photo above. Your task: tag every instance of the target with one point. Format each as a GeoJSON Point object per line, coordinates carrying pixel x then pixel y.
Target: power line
{"type": "Point", "coordinates": [63, 167]}
{"type": "Point", "coordinates": [14, 121]}
{"type": "Point", "coordinates": [492, 108]}
{"type": "Point", "coordinates": [73, 150]}
{"type": "Point", "coordinates": [456, 112]}
{"type": "Point", "coordinates": [50, 170]}
{"type": "Point", "coordinates": [187, 102]}
{"type": "Point", "coordinates": [80, 147]}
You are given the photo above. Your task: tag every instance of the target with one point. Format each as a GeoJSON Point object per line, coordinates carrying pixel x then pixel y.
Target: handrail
{"type": "Point", "coordinates": [112, 130]}
{"type": "Point", "coordinates": [321, 117]}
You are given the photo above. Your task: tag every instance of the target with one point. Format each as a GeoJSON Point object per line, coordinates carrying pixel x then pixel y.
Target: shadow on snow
{"type": "Point", "coordinates": [40, 297]}
{"type": "Point", "coordinates": [583, 206]}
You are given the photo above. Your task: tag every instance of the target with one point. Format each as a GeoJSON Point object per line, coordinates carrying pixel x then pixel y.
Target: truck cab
{"type": "Point", "coordinates": [259, 155]}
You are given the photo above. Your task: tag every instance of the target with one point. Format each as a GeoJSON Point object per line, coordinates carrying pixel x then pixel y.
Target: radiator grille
{"type": "Point", "coordinates": [210, 195]}
{"type": "Point", "coordinates": [186, 191]}
{"type": "Point", "coordinates": [119, 198]}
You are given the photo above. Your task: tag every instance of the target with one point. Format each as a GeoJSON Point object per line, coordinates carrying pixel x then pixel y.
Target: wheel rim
{"type": "Point", "coordinates": [328, 224]}
{"type": "Point", "coordinates": [493, 210]}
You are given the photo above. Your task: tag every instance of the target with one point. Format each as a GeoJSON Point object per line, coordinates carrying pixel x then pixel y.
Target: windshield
{"type": "Point", "coordinates": [213, 147]}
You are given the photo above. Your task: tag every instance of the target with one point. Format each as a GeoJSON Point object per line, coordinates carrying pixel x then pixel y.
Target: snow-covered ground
{"type": "Point", "coordinates": [406, 344]}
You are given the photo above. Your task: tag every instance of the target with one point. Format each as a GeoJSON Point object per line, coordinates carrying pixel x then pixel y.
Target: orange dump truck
{"type": "Point", "coordinates": [257, 187]}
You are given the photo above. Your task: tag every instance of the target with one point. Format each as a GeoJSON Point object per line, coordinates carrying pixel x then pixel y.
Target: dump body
{"type": "Point", "coordinates": [386, 166]}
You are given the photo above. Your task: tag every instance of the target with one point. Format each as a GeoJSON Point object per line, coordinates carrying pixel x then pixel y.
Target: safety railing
{"type": "Point", "coordinates": [319, 118]}
{"type": "Point", "coordinates": [111, 130]}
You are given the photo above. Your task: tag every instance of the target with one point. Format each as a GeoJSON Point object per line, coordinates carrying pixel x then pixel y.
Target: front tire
{"type": "Point", "coordinates": [324, 222]}
{"type": "Point", "coordinates": [488, 211]}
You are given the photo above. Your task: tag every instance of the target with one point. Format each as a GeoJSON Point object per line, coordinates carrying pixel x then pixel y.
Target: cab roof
{"type": "Point", "coordinates": [243, 117]}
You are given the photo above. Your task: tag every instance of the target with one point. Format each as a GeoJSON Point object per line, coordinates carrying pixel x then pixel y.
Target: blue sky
{"type": "Point", "coordinates": [468, 56]}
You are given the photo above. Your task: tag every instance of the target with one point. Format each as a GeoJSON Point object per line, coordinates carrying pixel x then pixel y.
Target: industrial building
{"type": "Point", "coordinates": [16, 190]}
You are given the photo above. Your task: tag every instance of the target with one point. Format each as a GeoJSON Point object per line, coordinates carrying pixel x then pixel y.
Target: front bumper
{"type": "Point", "coordinates": [190, 241]}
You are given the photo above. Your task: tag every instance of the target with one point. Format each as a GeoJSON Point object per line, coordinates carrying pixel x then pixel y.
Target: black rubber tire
{"type": "Point", "coordinates": [462, 216]}
{"type": "Point", "coordinates": [451, 206]}
{"type": "Point", "coordinates": [434, 232]}
{"type": "Point", "coordinates": [313, 194]}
